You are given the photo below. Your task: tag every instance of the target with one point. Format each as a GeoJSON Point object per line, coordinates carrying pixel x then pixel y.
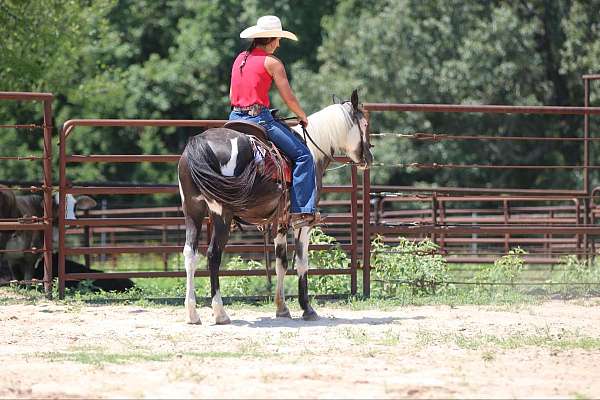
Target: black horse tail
{"type": "Point", "coordinates": [233, 192]}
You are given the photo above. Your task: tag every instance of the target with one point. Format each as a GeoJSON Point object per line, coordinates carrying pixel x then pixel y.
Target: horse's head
{"type": "Point", "coordinates": [357, 145]}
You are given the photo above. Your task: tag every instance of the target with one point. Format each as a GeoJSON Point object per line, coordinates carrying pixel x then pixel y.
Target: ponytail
{"type": "Point", "coordinates": [255, 42]}
{"type": "Point", "coordinates": [248, 50]}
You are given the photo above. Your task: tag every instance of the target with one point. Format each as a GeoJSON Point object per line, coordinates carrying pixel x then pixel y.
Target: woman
{"type": "Point", "coordinates": [252, 74]}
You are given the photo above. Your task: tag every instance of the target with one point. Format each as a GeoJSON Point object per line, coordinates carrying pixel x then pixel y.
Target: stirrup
{"type": "Point", "coordinates": [301, 220]}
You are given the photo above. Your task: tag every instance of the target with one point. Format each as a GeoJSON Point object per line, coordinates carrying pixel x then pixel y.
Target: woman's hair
{"type": "Point", "coordinates": [255, 42]}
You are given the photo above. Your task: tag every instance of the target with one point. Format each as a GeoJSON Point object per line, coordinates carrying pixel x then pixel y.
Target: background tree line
{"type": "Point", "coordinates": [172, 59]}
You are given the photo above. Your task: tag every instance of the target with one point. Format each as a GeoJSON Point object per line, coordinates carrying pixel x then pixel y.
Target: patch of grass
{"type": "Point", "coordinates": [185, 374]}
{"type": "Point", "coordinates": [565, 340]}
{"type": "Point", "coordinates": [580, 396]}
{"type": "Point", "coordinates": [356, 335]}
{"type": "Point", "coordinates": [488, 356]}
{"type": "Point", "coordinates": [99, 356]}
{"type": "Point", "coordinates": [390, 338]}
{"type": "Point", "coordinates": [289, 335]}
{"type": "Point", "coordinates": [252, 348]}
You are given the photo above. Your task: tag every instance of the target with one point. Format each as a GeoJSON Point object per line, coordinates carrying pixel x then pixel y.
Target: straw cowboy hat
{"type": "Point", "coordinates": [267, 26]}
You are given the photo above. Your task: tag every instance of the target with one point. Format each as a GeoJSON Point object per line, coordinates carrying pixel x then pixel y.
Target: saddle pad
{"type": "Point", "coordinates": [272, 160]}
{"type": "Point", "coordinates": [271, 165]}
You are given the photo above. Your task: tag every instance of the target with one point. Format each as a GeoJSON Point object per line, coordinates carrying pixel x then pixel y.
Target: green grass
{"type": "Point", "coordinates": [102, 358]}
{"type": "Point", "coordinates": [357, 336]}
{"type": "Point", "coordinates": [565, 340]}
{"type": "Point", "coordinates": [94, 355]}
{"type": "Point", "coordinates": [157, 292]}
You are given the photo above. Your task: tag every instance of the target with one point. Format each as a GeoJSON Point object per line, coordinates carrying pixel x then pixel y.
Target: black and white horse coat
{"type": "Point", "coordinates": [219, 176]}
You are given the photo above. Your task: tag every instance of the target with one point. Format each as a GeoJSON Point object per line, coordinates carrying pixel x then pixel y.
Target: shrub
{"type": "Point", "coordinates": [503, 273]}
{"type": "Point", "coordinates": [334, 257]}
{"type": "Point", "coordinates": [579, 277]}
{"type": "Point", "coordinates": [410, 263]}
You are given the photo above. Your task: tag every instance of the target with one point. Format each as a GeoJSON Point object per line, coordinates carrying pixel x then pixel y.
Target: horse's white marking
{"type": "Point", "coordinates": [229, 168]}
{"type": "Point", "coordinates": [190, 259]}
{"type": "Point", "coordinates": [302, 250]}
{"type": "Point", "coordinates": [180, 191]}
{"type": "Point", "coordinates": [280, 240]}
{"type": "Point", "coordinates": [221, 316]}
{"type": "Point", "coordinates": [214, 207]}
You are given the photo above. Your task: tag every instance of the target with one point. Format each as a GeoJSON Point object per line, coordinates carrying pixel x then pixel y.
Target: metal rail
{"type": "Point", "coordinates": [438, 225]}
{"type": "Point", "coordinates": [46, 187]}
{"type": "Point", "coordinates": [111, 223]}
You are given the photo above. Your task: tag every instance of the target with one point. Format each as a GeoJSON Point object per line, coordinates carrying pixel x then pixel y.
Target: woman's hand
{"type": "Point", "coordinates": [302, 120]}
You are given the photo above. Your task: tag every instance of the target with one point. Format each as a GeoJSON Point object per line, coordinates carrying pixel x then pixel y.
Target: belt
{"type": "Point", "coordinates": [252, 110]}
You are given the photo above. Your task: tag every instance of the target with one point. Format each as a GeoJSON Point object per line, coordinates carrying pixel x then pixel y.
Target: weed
{"type": "Point", "coordinates": [390, 338]}
{"type": "Point", "coordinates": [286, 335]}
{"type": "Point", "coordinates": [334, 257]}
{"type": "Point", "coordinates": [488, 356]}
{"type": "Point", "coordinates": [409, 263]}
{"type": "Point", "coordinates": [578, 277]}
{"type": "Point", "coordinates": [357, 335]}
{"type": "Point", "coordinates": [251, 347]}
{"type": "Point", "coordinates": [504, 271]}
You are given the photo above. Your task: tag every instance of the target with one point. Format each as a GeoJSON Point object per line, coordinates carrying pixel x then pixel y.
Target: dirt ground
{"type": "Point", "coordinates": [50, 350]}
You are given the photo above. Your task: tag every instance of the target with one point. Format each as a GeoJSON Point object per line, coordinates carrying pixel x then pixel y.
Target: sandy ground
{"type": "Point", "coordinates": [50, 350]}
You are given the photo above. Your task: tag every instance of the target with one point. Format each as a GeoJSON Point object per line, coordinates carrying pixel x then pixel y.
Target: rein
{"type": "Point", "coordinates": [305, 132]}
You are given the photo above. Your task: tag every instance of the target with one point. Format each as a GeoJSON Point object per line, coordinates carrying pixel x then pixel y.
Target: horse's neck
{"type": "Point", "coordinates": [329, 130]}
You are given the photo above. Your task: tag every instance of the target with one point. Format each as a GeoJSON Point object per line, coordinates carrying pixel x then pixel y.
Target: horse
{"type": "Point", "coordinates": [219, 175]}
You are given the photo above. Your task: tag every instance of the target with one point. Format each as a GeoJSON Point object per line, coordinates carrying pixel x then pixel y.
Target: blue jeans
{"type": "Point", "coordinates": [304, 189]}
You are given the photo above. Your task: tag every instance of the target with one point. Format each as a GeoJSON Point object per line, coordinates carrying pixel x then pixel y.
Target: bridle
{"type": "Point", "coordinates": [354, 119]}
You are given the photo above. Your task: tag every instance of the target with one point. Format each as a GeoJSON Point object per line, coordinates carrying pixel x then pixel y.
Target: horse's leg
{"type": "Point", "coordinates": [301, 241]}
{"type": "Point", "coordinates": [193, 225]}
{"type": "Point", "coordinates": [220, 236]}
{"type": "Point", "coordinates": [281, 265]}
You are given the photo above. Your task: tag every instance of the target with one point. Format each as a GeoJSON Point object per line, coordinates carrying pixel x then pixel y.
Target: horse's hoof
{"type": "Point", "coordinates": [283, 314]}
{"type": "Point", "coordinates": [223, 320]}
{"type": "Point", "coordinates": [310, 315]}
{"type": "Point", "coordinates": [193, 321]}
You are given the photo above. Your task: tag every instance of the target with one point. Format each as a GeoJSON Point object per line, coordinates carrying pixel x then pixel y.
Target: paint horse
{"type": "Point", "coordinates": [220, 176]}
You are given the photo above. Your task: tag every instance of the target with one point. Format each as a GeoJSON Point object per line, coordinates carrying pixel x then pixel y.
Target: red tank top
{"type": "Point", "coordinates": [252, 84]}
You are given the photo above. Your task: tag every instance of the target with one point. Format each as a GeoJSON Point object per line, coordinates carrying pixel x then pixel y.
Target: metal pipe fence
{"type": "Point", "coordinates": [65, 187]}
{"type": "Point", "coordinates": [436, 224]}
{"type": "Point", "coordinates": [45, 222]}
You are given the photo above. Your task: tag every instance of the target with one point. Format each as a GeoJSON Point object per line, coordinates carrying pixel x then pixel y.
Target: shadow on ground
{"type": "Point", "coordinates": [268, 322]}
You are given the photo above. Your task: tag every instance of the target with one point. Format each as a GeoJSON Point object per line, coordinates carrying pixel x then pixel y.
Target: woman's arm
{"type": "Point", "coordinates": [276, 69]}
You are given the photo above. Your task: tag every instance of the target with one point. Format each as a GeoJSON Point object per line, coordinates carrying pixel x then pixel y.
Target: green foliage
{"type": "Point", "coordinates": [409, 263]}
{"type": "Point", "coordinates": [172, 59]}
{"type": "Point", "coordinates": [243, 285]}
{"type": "Point", "coordinates": [504, 271]}
{"type": "Point", "coordinates": [334, 257]}
{"type": "Point", "coordinates": [411, 51]}
{"type": "Point", "coordinates": [579, 277]}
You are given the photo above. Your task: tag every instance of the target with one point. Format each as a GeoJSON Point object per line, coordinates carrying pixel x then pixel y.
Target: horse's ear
{"type": "Point", "coordinates": [354, 99]}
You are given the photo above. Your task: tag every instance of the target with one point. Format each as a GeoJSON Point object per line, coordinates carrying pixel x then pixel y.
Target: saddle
{"type": "Point", "coordinates": [278, 164]}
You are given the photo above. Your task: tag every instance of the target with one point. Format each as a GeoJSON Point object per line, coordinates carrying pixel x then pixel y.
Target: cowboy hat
{"type": "Point", "coordinates": [267, 26]}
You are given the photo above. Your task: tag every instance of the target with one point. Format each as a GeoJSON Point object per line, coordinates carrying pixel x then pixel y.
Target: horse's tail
{"type": "Point", "coordinates": [233, 192]}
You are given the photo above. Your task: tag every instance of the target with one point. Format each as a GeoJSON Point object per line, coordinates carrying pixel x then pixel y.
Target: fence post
{"type": "Point", "coordinates": [366, 194]}
{"type": "Point", "coordinates": [47, 190]}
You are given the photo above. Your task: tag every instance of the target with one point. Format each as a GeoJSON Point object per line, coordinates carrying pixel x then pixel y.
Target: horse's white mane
{"type": "Point", "coordinates": [328, 128]}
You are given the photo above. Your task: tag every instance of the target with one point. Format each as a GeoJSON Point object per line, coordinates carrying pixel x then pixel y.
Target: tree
{"type": "Point", "coordinates": [473, 52]}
